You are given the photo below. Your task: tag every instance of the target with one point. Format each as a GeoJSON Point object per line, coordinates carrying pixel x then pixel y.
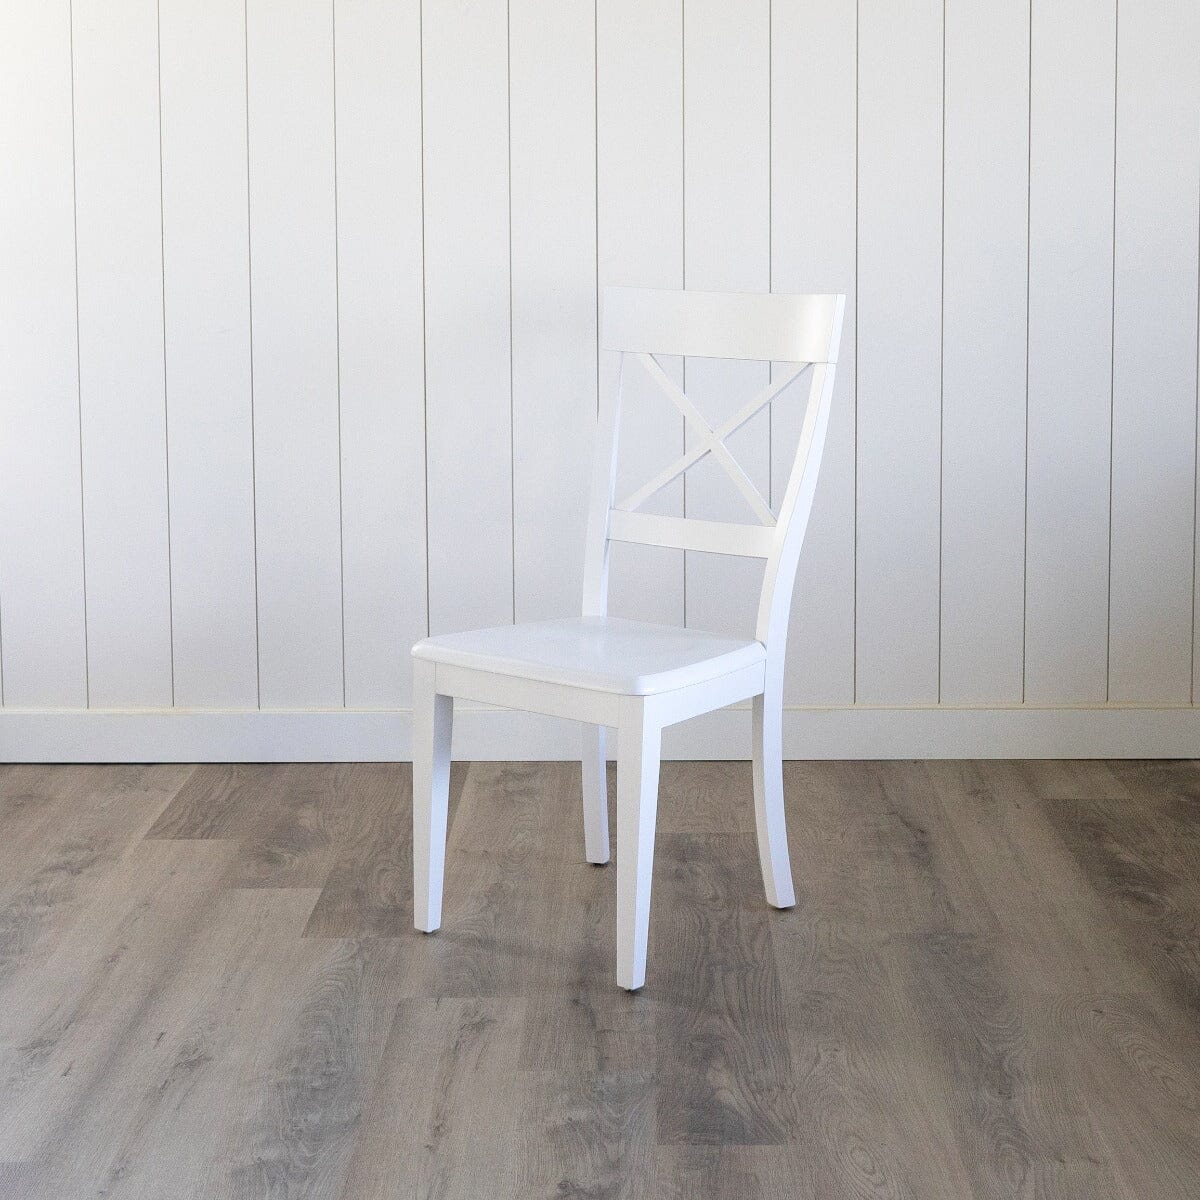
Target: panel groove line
{"type": "Point", "coordinates": [1028, 285]}
{"type": "Point", "coordinates": [380, 339]}
{"type": "Point", "coordinates": [726, 187]}
{"type": "Point", "coordinates": [813, 246]}
{"type": "Point", "coordinates": [44, 645]}
{"type": "Point", "coordinates": [1070, 350]}
{"type": "Point", "coordinates": [899, 352]}
{"type": "Point", "coordinates": [1155, 264]}
{"type": "Point", "coordinates": [1112, 353]}
{"type": "Point", "coordinates": [512, 447]}
{"type": "Point", "coordinates": [467, 358]}
{"type": "Point", "coordinates": [552, 268]}
{"type": "Point", "coordinates": [985, 282]}
{"type": "Point", "coordinates": [250, 343]}
{"type": "Point", "coordinates": [337, 326]}
{"type": "Point", "coordinates": [640, 223]}
{"type": "Point", "coordinates": [206, 297]}
{"type": "Point", "coordinates": [162, 259]}
{"type": "Point", "coordinates": [942, 376]}
{"type": "Point", "coordinates": [1196, 450]}
{"type": "Point", "coordinates": [87, 674]}
{"type": "Point", "coordinates": [294, 242]}
{"type": "Point", "coordinates": [857, 219]}
{"type": "Point", "coordinates": [121, 358]}
{"type": "Point", "coordinates": [424, 324]}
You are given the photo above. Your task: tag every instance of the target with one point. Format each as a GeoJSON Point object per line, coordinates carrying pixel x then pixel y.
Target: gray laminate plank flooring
{"type": "Point", "coordinates": [989, 987]}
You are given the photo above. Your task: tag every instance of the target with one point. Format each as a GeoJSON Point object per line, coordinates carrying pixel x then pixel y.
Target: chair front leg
{"type": "Point", "coordinates": [595, 795]}
{"type": "Point", "coordinates": [433, 718]}
{"type": "Point", "coordinates": [639, 742]}
{"type": "Point", "coordinates": [768, 796]}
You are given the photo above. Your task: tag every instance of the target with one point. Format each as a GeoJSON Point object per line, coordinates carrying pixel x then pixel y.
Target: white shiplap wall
{"type": "Point", "coordinates": [298, 358]}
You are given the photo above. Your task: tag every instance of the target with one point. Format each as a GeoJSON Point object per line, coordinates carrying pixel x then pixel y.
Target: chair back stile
{"type": "Point", "coordinates": [604, 481]}
{"type": "Point", "coordinates": [779, 578]}
{"type": "Point", "coordinates": [803, 331]}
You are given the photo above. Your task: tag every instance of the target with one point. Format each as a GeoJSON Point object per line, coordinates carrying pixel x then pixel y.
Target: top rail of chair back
{"type": "Point", "coordinates": [767, 328]}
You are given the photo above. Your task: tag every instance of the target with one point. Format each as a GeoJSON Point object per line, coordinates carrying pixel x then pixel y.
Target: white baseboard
{"type": "Point", "coordinates": [191, 735]}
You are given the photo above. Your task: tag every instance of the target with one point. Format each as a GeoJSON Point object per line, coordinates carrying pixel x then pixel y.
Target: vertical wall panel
{"type": "Point", "coordinates": [727, 152]}
{"type": "Point", "coordinates": [553, 299]}
{"type": "Point", "coordinates": [206, 273]}
{"type": "Point", "coordinates": [899, 350]}
{"type": "Point", "coordinates": [812, 250]}
{"type": "Point", "coordinates": [1070, 350]}
{"type": "Point", "coordinates": [381, 348]}
{"type": "Point", "coordinates": [122, 404]}
{"type": "Point", "coordinates": [1154, 353]}
{"type": "Point", "coordinates": [640, 236]}
{"type": "Point", "coordinates": [467, 332]}
{"type": "Point", "coordinates": [983, 354]}
{"type": "Point", "coordinates": [42, 639]}
{"type": "Point", "coordinates": [294, 297]}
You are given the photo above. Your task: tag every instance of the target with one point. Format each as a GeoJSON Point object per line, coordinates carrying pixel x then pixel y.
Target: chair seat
{"type": "Point", "coordinates": [604, 653]}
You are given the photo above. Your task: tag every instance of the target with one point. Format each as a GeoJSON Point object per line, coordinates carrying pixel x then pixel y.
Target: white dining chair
{"type": "Point", "coordinates": [637, 677]}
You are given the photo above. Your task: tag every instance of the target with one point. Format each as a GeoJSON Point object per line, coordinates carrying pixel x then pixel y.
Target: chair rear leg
{"type": "Point", "coordinates": [595, 795]}
{"type": "Point", "coordinates": [433, 718]}
{"type": "Point", "coordinates": [638, 749]}
{"type": "Point", "coordinates": [768, 798]}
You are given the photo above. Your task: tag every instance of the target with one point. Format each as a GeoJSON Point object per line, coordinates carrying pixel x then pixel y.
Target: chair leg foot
{"type": "Point", "coordinates": [595, 796]}
{"type": "Point", "coordinates": [638, 752]}
{"type": "Point", "coordinates": [769, 817]}
{"type": "Point", "coordinates": [433, 718]}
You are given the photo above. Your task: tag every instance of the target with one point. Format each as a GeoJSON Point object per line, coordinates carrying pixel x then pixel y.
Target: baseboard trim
{"type": "Point", "coordinates": [191, 735]}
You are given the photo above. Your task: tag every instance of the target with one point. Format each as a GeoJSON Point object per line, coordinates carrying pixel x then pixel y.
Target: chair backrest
{"type": "Point", "coordinates": [801, 331]}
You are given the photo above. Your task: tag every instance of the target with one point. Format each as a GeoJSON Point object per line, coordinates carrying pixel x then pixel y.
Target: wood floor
{"type": "Point", "coordinates": [990, 987]}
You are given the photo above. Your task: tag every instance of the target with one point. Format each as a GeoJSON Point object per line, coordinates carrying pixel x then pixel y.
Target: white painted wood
{"type": "Point", "coordinates": [983, 356]}
{"type": "Point", "coordinates": [595, 794]}
{"type": "Point", "coordinates": [637, 808]}
{"type": "Point", "coordinates": [206, 281]}
{"type": "Point", "coordinates": [42, 625]}
{"type": "Point", "coordinates": [485, 733]}
{"type": "Point", "coordinates": [1154, 351]}
{"type": "Point", "coordinates": [467, 318]}
{"type": "Point", "coordinates": [433, 720]}
{"type": "Point", "coordinates": [608, 654]}
{"type": "Point", "coordinates": [697, 699]}
{"type": "Point", "coordinates": [721, 325]}
{"type": "Point", "coordinates": [713, 441]}
{"type": "Point", "coordinates": [691, 533]}
{"type": "Point", "coordinates": [1070, 351]}
{"type": "Point", "coordinates": [707, 442]}
{"type": "Point", "coordinates": [122, 403]}
{"type": "Point", "coordinates": [639, 676]}
{"type": "Point", "coordinates": [899, 359]}
{"type": "Point", "coordinates": [553, 159]}
{"type": "Point", "coordinates": [774, 606]}
{"type": "Point", "coordinates": [294, 293]}
{"type": "Point", "coordinates": [813, 153]}
{"type": "Point", "coordinates": [766, 739]}
{"type": "Point", "coordinates": [381, 356]}
{"type": "Point", "coordinates": [639, 195]}
{"type": "Point", "coordinates": [565, 700]}
{"type": "Point", "coordinates": [727, 150]}
{"type": "Point", "coordinates": [600, 533]}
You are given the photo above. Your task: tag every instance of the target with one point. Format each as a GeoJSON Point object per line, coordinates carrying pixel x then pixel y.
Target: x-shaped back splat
{"type": "Point", "coordinates": [712, 441]}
